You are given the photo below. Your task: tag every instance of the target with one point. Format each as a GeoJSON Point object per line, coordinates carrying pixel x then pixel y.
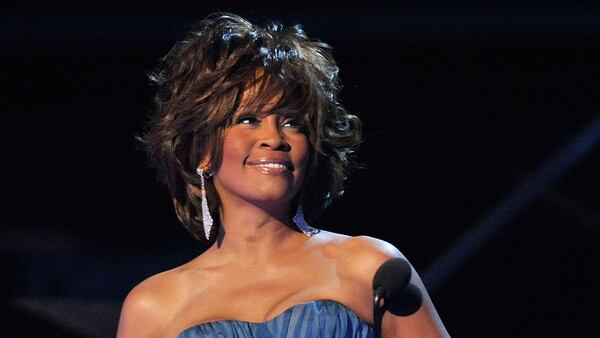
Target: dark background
{"type": "Point", "coordinates": [478, 163]}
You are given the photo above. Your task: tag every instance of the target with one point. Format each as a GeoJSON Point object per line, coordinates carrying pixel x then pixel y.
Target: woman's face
{"type": "Point", "coordinates": [265, 154]}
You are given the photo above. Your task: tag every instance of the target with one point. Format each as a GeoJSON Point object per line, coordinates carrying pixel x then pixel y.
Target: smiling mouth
{"type": "Point", "coordinates": [271, 167]}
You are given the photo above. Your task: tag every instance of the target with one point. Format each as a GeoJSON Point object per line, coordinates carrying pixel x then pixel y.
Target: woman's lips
{"type": "Point", "coordinates": [271, 167]}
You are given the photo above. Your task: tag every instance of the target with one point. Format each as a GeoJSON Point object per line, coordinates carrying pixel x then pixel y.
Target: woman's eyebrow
{"type": "Point", "coordinates": [287, 111]}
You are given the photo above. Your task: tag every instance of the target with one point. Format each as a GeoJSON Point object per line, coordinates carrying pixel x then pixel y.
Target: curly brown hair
{"type": "Point", "coordinates": [199, 85]}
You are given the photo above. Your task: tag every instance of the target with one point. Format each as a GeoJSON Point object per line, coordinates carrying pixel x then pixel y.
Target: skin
{"type": "Point", "coordinates": [259, 261]}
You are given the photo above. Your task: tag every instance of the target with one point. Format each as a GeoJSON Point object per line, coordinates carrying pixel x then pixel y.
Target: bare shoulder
{"type": "Point", "coordinates": [360, 256]}
{"type": "Point", "coordinates": [362, 244]}
{"type": "Point", "coordinates": [148, 307]}
{"type": "Point", "coordinates": [367, 247]}
{"type": "Point", "coordinates": [358, 259]}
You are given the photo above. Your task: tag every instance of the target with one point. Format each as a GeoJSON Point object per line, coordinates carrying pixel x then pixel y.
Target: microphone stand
{"type": "Point", "coordinates": [378, 311]}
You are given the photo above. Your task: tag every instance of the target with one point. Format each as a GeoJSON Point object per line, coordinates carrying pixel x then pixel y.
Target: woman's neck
{"type": "Point", "coordinates": [251, 234]}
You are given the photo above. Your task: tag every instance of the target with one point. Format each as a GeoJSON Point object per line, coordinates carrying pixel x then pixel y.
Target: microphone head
{"type": "Point", "coordinates": [408, 303]}
{"type": "Point", "coordinates": [392, 278]}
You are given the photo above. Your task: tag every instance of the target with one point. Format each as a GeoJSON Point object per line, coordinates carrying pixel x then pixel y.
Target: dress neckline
{"type": "Point", "coordinates": [280, 315]}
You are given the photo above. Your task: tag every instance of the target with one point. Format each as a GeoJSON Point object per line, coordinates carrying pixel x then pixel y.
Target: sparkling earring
{"type": "Point", "coordinates": [302, 225]}
{"type": "Point", "coordinates": [207, 220]}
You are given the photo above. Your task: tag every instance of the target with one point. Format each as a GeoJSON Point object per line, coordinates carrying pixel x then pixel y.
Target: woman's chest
{"type": "Point", "coordinates": [258, 296]}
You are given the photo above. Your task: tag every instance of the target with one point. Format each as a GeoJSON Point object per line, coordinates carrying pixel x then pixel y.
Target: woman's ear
{"type": "Point", "coordinates": [202, 167]}
{"type": "Point", "coordinates": [205, 164]}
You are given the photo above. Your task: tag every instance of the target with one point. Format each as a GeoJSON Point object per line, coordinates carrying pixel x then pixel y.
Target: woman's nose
{"type": "Point", "coordinates": [272, 135]}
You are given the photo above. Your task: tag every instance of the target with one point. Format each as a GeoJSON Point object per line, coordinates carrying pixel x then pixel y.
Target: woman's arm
{"type": "Point", "coordinates": [425, 322]}
{"type": "Point", "coordinates": [368, 255]}
{"type": "Point", "coordinates": [145, 311]}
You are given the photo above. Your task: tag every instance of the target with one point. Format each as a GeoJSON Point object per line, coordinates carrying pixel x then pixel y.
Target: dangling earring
{"type": "Point", "coordinates": [207, 220]}
{"type": "Point", "coordinates": [302, 225]}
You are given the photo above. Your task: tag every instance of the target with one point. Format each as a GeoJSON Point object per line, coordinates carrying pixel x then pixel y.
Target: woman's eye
{"type": "Point", "coordinates": [246, 119]}
{"type": "Point", "coordinates": [293, 123]}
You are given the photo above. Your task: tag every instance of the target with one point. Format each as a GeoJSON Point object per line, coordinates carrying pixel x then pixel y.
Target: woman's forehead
{"type": "Point", "coordinates": [265, 93]}
{"type": "Point", "coordinates": [256, 101]}
{"type": "Point", "coordinates": [256, 98]}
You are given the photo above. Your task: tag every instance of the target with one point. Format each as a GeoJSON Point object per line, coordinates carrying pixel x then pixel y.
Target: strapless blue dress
{"type": "Point", "coordinates": [316, 319]}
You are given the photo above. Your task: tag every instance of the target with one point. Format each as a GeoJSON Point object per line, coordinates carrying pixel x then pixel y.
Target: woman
{"type": "Point", "coordinates": [253, 144]}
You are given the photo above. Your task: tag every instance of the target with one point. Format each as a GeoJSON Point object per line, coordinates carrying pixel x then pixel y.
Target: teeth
{"type": "Point", "coordinates": [272, 165]}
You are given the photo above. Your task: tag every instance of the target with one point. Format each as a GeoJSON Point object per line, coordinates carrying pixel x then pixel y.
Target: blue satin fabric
{"type": "Point", "coordinates": [316, 319]}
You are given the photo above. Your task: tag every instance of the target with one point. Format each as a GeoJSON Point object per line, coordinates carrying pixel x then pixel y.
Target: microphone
{"type": "Point", "coordinates": [391, 285]}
